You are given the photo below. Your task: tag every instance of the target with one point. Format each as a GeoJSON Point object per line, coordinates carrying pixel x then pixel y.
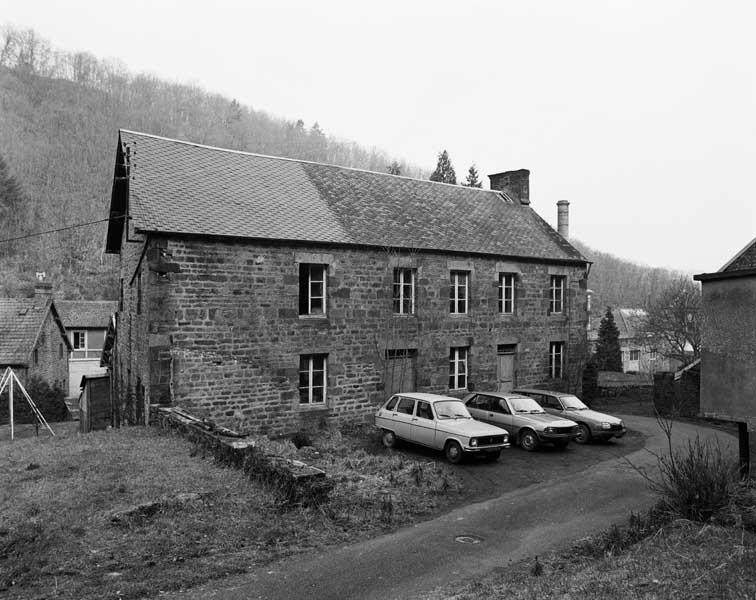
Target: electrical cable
{"type": "Point", "coordinates": [30, 235]}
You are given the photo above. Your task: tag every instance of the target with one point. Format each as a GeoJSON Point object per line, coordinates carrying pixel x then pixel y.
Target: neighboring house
{"type": "Point", "coordinates": [32, 338]}
{"type": "Point", "coordinates": [269, 294]}
{"type": "Point", "coordinates": [640, 353]}
{"type": "Point", "coordinates": [728, 349]}
{"type": "Point", "coordinates": [86, 323]}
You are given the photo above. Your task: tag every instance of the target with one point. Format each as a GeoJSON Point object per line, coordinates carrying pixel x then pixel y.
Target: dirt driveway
{"type": "Point", "coordinates": [517, 468]}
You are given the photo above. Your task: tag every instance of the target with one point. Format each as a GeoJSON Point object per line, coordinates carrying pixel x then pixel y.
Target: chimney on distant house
{"type": "Point", "coordinates": [563, 218]}
{"type": "Point", "coordinates": [42, 290]}
{"type": "Point", "coordinates": [514, 183]}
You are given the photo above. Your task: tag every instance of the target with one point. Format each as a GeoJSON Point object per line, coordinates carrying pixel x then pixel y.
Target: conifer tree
{"type": "Point", "coordinates": [394, 168]}
{"type": "Point", "coordinates": [444, 170]}
{"type": "Point", "coordinates": [608, 355]}
{"type": "Point", "coordinates": [472, 178]}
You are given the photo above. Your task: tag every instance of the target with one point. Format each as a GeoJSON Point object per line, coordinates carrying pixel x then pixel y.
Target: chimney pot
{"type": "Point", "coordinates": [514, 183]}
{"type": "Point", "coordinates": [563, 218]}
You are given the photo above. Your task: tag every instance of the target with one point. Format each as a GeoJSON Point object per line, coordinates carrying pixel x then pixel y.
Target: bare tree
{"type": "Point", "coordinates": [672, 322]}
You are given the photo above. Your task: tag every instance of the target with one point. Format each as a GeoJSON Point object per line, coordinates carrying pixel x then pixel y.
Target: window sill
{"type": "Point", "coordinates": [320, 407]}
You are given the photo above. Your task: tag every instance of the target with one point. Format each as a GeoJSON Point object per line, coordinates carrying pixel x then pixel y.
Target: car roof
{"type": "Point", "coordinates": [424, 396]}
{"type": "Point", "coordinates": [537, 391]}
{"type": "Point", "coordinates": [506, 395]}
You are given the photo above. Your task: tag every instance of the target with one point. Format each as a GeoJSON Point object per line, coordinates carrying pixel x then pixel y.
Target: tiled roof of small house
{"type": "Point", "coordinates": [21, 320]}
{"type": "Point", "coordinates": [180, 187]}
{"type": "Point", "coordinates": [627, 320]}
{"type": "Point", "coordinates": [86, 313]}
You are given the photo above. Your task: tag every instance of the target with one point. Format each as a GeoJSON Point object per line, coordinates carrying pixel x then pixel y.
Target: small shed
{"type": "Point", "coordinates": [95, 404]}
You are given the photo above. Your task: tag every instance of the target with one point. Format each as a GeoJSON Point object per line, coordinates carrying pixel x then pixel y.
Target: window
{"type": "Point", "coordinates": [423, 410]}
{"type": "Point", "coordinates": [458, 368]}
{"type": "Point", "coordinates": [634, 355]}
{"type": "Point", "coordinates": [404, 291]}
{"type": "Point", "coordinates": [312, 378]}
{"type": "Point", "coordinates": [458, 292]}
{"type": "Point", "coordinates": [506, 293]}
{"type": "Point", "coordinates": [556, 294]}
{"type": "Point", "coordinates": [312, 289]}
{"type": "Point", "coordinates": [87, 343]}
{"type": "Point", "coordinates": [405, 406]}
{"type": "Point", "coordinates": [556, 359]}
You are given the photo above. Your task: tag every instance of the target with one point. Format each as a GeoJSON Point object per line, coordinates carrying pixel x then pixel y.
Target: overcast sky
{"type": "Point", "coordinates": [641, 114]}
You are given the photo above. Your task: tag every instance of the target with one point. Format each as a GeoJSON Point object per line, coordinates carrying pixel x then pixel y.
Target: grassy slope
{"type": "Point", "coordinates": [57, 540]}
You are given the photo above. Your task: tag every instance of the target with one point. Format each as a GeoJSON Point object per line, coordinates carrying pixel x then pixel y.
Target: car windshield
{"type": "Point", "coordinates": [451, 409]}
{"type": "Point", "coordinates": [572, 403]}
{"type": "Point", "coordinates": [525, 405]}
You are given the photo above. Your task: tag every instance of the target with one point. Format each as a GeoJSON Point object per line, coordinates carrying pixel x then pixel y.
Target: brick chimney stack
{"type": "Point", "coordinates": [563, 218]}
{"type": "Point", "coordinates": [42, 290]}
{"type": "Point", "coordinates": [514, 183]}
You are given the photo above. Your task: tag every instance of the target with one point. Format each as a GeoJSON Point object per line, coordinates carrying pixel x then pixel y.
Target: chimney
{"type": "Point", "coordinates": [563, 218]}
{"type": "Point", "coordinates": [514, 183]}
{"type": "Point", "coordinates": [42, 290]}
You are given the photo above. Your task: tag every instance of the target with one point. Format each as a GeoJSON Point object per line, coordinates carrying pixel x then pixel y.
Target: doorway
{"type": "Point", "coordinates": [505, 367]}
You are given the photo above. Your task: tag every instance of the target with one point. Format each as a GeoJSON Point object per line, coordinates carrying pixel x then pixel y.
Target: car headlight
{"type": "Point", "coordinates": [606, 425]}
{"type": "Point", "coordinates": [549, 430]}
{"type": "Point", "coordinates": [622, 423]}
{"type": "Point", "coordinates": [473, 442]}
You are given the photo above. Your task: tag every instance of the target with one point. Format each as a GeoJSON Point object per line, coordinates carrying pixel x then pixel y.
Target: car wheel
{"type": "Point", "coordinates": [560, 445]}
{"type": "Point", "coordinates": [454, 452]}
{"type": "Point", "coordinates": [584, 436]}
{"type": "Point", "coordinates": [528, 440]}
{"type": "Point", "coordinates": [388, 439]}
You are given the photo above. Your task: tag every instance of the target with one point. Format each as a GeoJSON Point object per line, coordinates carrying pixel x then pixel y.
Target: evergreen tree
{"type": "Point", "coordinates": [472, 178]}
{"type": "Point", "coordinates": [394, 168]}
{"type": "Point", "coordinates": [608, 355]}
{"type": "Point", "coordinates": [444, 170]}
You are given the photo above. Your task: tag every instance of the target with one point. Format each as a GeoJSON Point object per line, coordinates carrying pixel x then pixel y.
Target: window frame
{"type": "Point", "coordinates": [455, 361]}
{"type": "Point", "coordinates": [310, 370]}
{"type": "Point", "coordinates": [399, 287]}
{"type": "Point", "coordinates": [556, 349]}
{"type": "Point", "coordinates": [503, 287]}
{"type": "Point", "coordinates": [306, 288]}
{"type": "Point", "coordinates": [557, 286]}
{"type": "Point", "coordinates": [454, 291]}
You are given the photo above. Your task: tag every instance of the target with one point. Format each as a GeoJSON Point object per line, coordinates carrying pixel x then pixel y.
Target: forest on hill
{"type": "Point", "coordinates": [59, 117]}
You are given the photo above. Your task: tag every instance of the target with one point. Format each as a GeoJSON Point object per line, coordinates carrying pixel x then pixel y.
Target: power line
{"type": "Point", "coordinates": [30, 235]}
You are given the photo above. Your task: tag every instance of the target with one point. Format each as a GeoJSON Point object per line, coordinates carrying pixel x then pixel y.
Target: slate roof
{"type": "Point", "coordinates": [180, 187]}
{"type": "Point", "coordinates": [627, 320]}
{"type": "Point", "coordinates": [21, 320]}
{"type": "Point", "coordinates": [86, 314]}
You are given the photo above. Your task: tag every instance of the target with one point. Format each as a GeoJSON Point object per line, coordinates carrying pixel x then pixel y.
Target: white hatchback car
{"type": "Point", "coordinates": [439, 422]}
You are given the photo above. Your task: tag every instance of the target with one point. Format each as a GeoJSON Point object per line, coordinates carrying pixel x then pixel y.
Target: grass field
{"type": "Point", "coordinates": [58, 540]}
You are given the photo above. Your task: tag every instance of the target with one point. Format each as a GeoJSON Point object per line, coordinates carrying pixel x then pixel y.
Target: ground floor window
{"type": "Point", "coordinates": [458, 368]}
{"type": "Point", "coordinates": [556, 359]}
{"type": "Point", "coordinates": [312, 378]}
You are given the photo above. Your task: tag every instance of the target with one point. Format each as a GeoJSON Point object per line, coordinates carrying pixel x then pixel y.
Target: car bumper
{"type": "Point", "coordinates": [556, 437]}
{"type": "Point", "coordinates": [485, 449]}
{"type": "Point", "coordinates": [609, 433]}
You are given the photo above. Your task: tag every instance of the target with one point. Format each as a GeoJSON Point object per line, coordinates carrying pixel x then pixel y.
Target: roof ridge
{"type": "Point", "coordinates": [299, 160]}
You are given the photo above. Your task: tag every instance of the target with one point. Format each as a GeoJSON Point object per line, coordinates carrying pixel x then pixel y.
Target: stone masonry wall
{"type": "Point", "coordinates": [52, 356]}
{"type": "Point", "coordinates": [220, 332]}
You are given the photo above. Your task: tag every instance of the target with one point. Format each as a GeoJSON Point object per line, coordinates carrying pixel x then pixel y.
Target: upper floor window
{"type": "Point", "coordinates": [312, 378]}
{"type": "Point", "coordinates": [404, 291]}
{"type": "Point", "coordinates": [312, 289]}
{"type": "Point", "coordinates": [634, 355]}
{"type": "Point", "coordinates": [556, 294]}
{"type": "Point", "coordinates": [458, 368]}
{"type": "Point", "coordinates": [556, 359]}
{"type": "Point", "coordinates": [506, 293]}
{"type": "Point", "coordinates": [87, 343]}
{"type": "Point", "coordinates": [458, 292]}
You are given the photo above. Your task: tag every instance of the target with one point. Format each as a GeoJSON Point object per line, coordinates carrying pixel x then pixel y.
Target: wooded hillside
{"type": "Point", "coordinates": [59, 118]}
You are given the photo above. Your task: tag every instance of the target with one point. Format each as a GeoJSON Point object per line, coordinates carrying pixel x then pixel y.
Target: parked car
{"type": "Point", "coordinates": [592, 424]}
{"type": "Point", "coordinates": [527, 423]}
{"type": "Point", "coordinates": [438, 422]}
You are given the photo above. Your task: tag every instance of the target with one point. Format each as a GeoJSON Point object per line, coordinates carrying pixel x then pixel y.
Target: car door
{"type": "Point", "coordinates": [500, 415]}
{"type": "Point", "coordinates": [423, 429]}
{"type": "Point", "coordinates": [550, 404]}
{"type": "Point", "coordinates": [478, 407]}
{"type": "Point", "coordinates": [402, 417]}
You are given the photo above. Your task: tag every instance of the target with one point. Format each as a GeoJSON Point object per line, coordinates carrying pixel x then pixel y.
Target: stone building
{"type": "Point", "coordinates": [33, 343]}
{"type": "Point", "coordinates": [273, 294]}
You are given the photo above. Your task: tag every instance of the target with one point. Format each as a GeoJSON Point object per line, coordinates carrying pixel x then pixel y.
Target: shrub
{"type": "Point", "coordinates": [695, 481]}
